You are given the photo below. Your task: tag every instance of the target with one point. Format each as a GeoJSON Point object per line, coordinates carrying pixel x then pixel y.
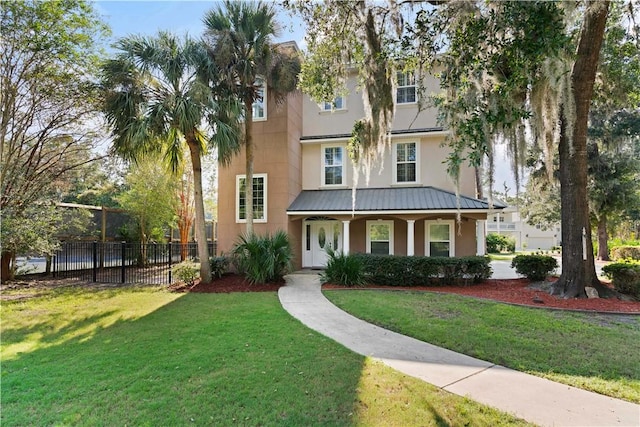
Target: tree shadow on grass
{"type": "Point", "coordinates": [201, 359]}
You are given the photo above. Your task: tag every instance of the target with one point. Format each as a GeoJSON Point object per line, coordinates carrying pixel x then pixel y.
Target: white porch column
{"type": "Point", "coordinates": [481, 243]}
{"type": "Point", "coordinates": [410, 237]}
{"type": "Point", "coordinates": [345, 237]}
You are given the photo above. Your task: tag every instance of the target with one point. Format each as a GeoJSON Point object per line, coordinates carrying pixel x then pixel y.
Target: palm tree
{"type": "Point", "coordinates": [156, 100]}
{"type": "Point", "coordinates": [239, 38]}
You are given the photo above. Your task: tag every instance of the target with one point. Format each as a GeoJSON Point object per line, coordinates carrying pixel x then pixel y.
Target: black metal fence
{"type": "Point", "coordinates": [121, 262]}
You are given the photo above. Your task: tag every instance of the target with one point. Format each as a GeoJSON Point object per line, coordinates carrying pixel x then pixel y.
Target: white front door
{"type": "Point", "coordinates": [324, 234]}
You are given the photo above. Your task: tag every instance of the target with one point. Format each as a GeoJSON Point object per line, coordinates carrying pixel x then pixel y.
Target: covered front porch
{"type": "Point", "coordinates": [419, 221]}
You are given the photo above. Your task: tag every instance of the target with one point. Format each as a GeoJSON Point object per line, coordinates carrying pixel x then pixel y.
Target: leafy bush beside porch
{"type": "Point", "coordinates": [406, 270]}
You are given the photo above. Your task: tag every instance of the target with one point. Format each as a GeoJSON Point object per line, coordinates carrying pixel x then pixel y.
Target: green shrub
{"type": "Point", "coordinates": [186, 271]}
{"type": "Point", "coordinates": [343, 270]}
{"type": "Point", "coordinates": [263, 259]}
{"type": "Point", "coordinates": [219, 265]}
{"type": "Point", "coordinates": [616, 241]}
{"type": "Point", "coordinates": [416, 270]}
{"type": "Point", "coordinates": [620, 253]}
{"type": "Point", "coordinates": [534, 267]}
{"type": "Point", "coordinates": [625, 276]}
{"type": "Point", "coordinates": [497, 243]}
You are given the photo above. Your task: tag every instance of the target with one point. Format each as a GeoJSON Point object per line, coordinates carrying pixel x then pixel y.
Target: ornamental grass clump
{"type": "Point", "coordinates": [341, 269]}
{"type": "Point", "coordinates": [263, 259]}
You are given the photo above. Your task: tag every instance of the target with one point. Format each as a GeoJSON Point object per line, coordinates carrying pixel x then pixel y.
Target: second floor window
{"type": "Point", "coordinates": [406, 93]}
{"type": "Point", "coordinates": [259, 198]}
{"type": "Point", "coordinates": [406, 161]}
{"type": "Point", "coordinates": [337, 104]}
{"type": "Point", "coordinates": [260, 104]}
{"type": "Point", "coordinates": [333, 167]}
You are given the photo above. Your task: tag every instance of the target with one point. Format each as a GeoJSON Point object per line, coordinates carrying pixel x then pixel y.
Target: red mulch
{"type": "Point", "coordinates": [226, 284]}
{"type": "Point", "coordinates": [518, 291]}
{"type": "Point", "coordinates": [515, 291]}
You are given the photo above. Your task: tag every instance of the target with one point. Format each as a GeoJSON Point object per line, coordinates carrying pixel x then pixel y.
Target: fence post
{"type": "Point", "coordinates": [123, 269]}
{"type": "Point", "coordinates": [95, 262]}
{"type": "Point", "coordinates": [170, 259]}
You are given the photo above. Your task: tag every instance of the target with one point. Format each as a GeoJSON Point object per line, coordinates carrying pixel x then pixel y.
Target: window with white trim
{"type": "Point", "coordinates": [439, 239]}
{"type": "Point", "coordinates": [405, 158]}
{"type": "Point", "coordinates": [406, 92]}
{"type": "Point", "coordinates": [333, 165]}
{"type": "Point", "coordinates": [259, 107]}
{"type": "Point", "coordinates": [380, 237]}
{"type": "Point", "coordinates": [259, 198]}
{"type": "Point", "coordinates": [337, 104]}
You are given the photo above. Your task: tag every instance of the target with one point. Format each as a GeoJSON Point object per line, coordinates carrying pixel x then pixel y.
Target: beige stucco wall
{"type": "Point", "coordinates": [432, 168]}
{"type": "Point", "coordinates": [317, 122]}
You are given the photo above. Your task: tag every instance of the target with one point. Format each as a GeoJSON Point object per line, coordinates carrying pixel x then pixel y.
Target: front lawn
{"type": "Point", "coordinates": [595, 352]}
{"type": "Point", "coordinates": [146, 357]}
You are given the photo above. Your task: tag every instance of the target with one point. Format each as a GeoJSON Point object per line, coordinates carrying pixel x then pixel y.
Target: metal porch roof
{"type": "Point", "coordinates": [386, 199]}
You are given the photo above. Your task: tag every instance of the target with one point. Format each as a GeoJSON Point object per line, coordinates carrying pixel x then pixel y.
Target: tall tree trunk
{"type": "Point", "coordinates": [603, 238]}
{"type": "Point", "coordinates": [200, 228]}
{"type": "Point", "coordinates": [6, 272]}
{"type": "Point", "coordinates": [248, 182]}
{"type": "Point", "coordinates": [578, 267]}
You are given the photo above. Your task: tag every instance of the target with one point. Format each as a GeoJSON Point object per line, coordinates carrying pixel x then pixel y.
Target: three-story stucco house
{"type": "Point", "coordinates": [303, 182]}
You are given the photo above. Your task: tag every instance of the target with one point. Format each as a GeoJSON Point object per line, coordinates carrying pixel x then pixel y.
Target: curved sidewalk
{"type": "Point", "coordinates": [532, 398]}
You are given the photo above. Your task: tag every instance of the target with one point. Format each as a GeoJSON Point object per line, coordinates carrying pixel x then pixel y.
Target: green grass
{"type": "Point", "coordinates": [502, 257]}
{"type": "Point", "coordinates": [146, 357]}
{"type": "Point", "coordinates": [589, 351]}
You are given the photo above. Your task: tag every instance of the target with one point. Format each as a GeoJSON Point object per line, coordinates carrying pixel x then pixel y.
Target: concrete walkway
{"type": "Point", "coordinates": [534, 399]}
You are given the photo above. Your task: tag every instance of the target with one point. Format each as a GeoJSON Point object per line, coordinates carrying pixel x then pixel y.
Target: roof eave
{"type": "Point", "coordinates": [390, 212]}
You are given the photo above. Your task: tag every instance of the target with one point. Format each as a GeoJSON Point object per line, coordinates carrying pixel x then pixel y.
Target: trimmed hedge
{"type": "Point", "coordinates": [625, 252]}
{"type": "Point", "coordinates": [625, 276]}
{"type": "Point", "coordinates": [416, 271]}
{"type": "Point", "coordinates": [534, 267]}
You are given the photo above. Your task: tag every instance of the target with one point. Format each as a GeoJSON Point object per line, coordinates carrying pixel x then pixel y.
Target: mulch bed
{"type": "Point", "coordinates": [226, 284]}
{"type": "Point", "coordinates": [523, 292]}
{"type": "Point", "coordinates": [517, 291]}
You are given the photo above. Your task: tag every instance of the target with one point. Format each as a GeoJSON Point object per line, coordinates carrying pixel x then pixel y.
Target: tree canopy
{"type": "Point", "coordinates": [49, 103]}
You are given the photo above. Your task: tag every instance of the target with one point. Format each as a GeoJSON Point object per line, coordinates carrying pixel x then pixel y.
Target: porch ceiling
{"type": "Point", "coordinates": [389, 200]}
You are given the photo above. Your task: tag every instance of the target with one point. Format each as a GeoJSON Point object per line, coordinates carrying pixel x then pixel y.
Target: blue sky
{"type": "Point", "coordinates": [180, 17]}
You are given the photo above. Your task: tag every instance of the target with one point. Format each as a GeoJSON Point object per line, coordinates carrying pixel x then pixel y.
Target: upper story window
{"type": "Point", "coordinates": [260, 104]}
{"type": "Point", "coordinates": [405, 162]}
{"type": "Point", "coordinates": [333, 166]}
{"type": "Point", "coordinates": [259, 198]}
{"type": "Point", "coordinates": [406, 93]}
{"type": "Point", "coordinates": [337, 104]}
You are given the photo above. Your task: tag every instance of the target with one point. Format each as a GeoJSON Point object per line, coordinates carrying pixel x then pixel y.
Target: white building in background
{"type": "Point", "coordinates": [510, 223]}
